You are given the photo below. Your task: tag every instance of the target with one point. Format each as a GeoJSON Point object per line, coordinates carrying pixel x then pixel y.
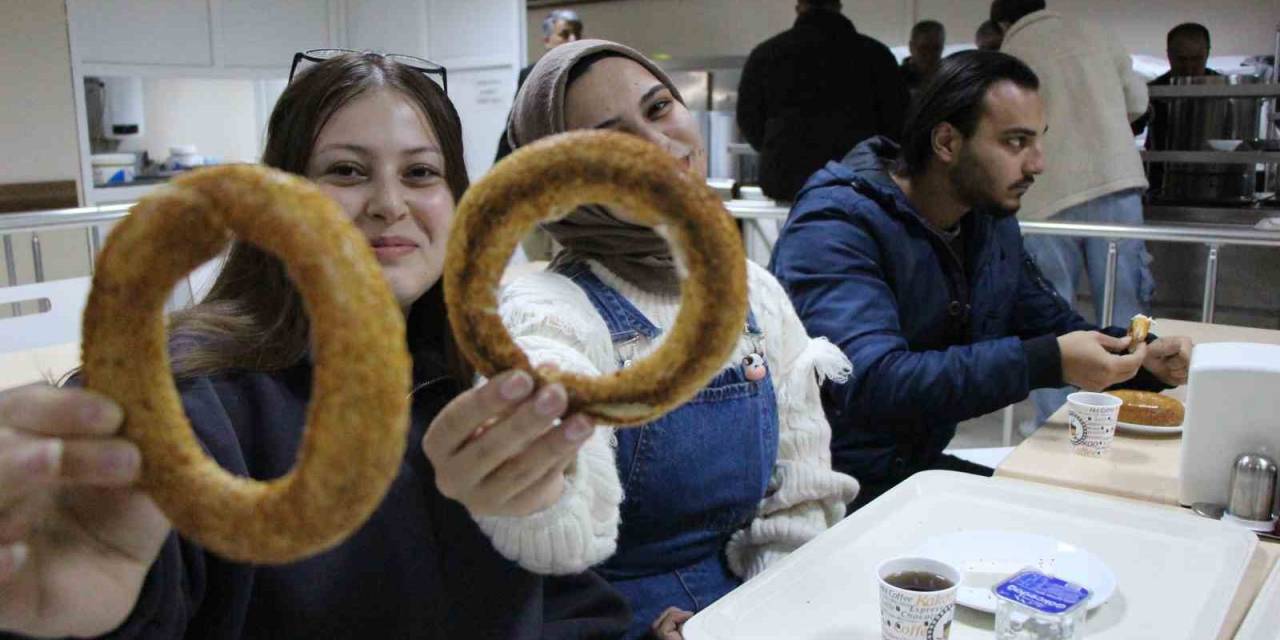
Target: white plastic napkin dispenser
{"type": "Point", "coordinates": [1233, 407]}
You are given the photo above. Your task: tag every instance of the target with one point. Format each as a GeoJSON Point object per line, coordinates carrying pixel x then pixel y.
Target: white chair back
{"type": "Point", "coordinates": [59, 324]}
{"type": "Point", "coordinates": [193, 288]}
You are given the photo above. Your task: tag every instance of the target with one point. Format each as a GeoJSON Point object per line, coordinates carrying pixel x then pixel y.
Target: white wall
{"type": "Point", "coordinates": [37, 111]}
{"type": "Point", "coordinates": [479, 42]}
{"type": "Point", "coordinates": [218, 116]}
{"type": "Point", "coordinates": [732, 27]}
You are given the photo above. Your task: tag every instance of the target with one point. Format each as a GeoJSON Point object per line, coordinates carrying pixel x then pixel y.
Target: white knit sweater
{"type": "Point", "coordinates": [552, 319]}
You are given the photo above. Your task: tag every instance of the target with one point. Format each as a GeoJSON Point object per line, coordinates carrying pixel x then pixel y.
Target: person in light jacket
{"type": "Point", "coordinates": [1093, 170]}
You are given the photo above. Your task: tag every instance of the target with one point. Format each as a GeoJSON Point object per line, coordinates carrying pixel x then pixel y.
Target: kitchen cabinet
{"type": "Point", "coordinates": [480, 42]}
{"type": "Point", "coordinates": [199, 37]}
{"type": "Point", "coordinates": [389, 26]}
{"type": "Point", "coordinates": [267, 34]}
{"type": "Point", "coordinates": [253, 37]}
{"type": "Point", "coordinates": [174, 32]}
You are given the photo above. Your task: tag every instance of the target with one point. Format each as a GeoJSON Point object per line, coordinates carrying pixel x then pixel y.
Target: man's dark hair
{"type": "Point", "coordinates": [1012, 11]}
{"type": "Point", "coordinates": [1189, 30]}
{"type": "Point", "coordinates": [928, 27]}
{"type": "Point", "coordinates": [831, 5]}
{"type": "Point", "coordinates": [989, 28]}
{"type": "Point", "coordinates": [567, 16]}
{"type": "Point", "coordinates": [955, 96]}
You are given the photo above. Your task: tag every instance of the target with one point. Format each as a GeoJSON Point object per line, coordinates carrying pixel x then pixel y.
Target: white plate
{"type": "Point", "coordinates": [1146, 429]}
{"type": "Point", "coordinates": [984, 558]}
{"type": "Point", "coordinates": [1177, 572]}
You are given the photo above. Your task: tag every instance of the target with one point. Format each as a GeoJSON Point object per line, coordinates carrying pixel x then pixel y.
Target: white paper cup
{"type": "Point", "coordinates": [1091, 422]}
{"type": "Point", "coordinates": [916, 615]}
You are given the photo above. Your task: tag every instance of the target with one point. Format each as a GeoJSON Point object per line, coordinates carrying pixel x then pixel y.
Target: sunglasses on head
{"type": "Point", "coordinates": [426, 67]}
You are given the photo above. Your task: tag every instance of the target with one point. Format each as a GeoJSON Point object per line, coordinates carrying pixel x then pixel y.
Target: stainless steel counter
{"type": "Point", "coordinates": [1224, 273]}
{"type": "Point", "coordinates": [1248, 277]}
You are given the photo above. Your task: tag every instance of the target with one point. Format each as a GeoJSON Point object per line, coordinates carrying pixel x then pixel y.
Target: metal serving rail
{"type": "Point", "coordinates": [750, 212]}
{"type": "Point", "coordinates": [49, 220]}
{"type": "Point", "coordinates": [1213, 236]}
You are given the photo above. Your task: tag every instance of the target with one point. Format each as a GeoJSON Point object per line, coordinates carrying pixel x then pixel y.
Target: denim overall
{"type": "Point", "coordinates": [690, 479]}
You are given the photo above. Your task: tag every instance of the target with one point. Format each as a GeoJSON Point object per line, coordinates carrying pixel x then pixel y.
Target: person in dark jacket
{"type": "Point", "coordinates": [910, 260]}
{"type": "Point", "coordinates": [1187, 47]}
{"type": "Point", "coordinates": [83, 552]}
{"type": "Point", "coordinates": [988, 37]}
{"type": "Point", "coordinates": [561, 26]}
{"type": "Point", "coordinates": [809, 94]}
{"type": "Point", "coordinates": [928, 39]}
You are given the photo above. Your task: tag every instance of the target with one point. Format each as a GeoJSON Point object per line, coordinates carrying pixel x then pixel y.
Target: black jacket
{"type": "Point", "coordinates": [1157, 117]}
{"type": "Point", "coordinates": [418, 568]}
{"type": "Point", "coordinates": [504, 147]}
{"type": "Point", "coordinates": [810, 94]}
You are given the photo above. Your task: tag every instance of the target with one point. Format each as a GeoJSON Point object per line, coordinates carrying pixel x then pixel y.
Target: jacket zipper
{"type": "Point", "coordinates": [959, 281]}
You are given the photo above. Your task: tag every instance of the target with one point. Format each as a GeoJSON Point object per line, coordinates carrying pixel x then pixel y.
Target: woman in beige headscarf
{"type": "Point", "coordinates": [718, 489]}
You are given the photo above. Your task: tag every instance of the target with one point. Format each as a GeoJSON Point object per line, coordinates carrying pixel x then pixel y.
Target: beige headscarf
{"type": "Point", "coordinates": [637, 254]}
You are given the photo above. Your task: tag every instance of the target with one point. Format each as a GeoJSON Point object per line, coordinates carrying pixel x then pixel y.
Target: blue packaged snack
{"type": "Point", "coordinates": [1042, 592]}
{"type": "Point", "coordinates": [1031, 605]}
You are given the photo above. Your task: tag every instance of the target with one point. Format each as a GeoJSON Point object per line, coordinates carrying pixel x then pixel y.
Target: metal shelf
{"type": "Point", "coordinates": [1263, 210]}
{"type": "Point", "coordinates": [1215, 91]}
{"type": "Point", "coordinates": [1212, 157]}
{"type": "Point", "coordinates": [50, 219]}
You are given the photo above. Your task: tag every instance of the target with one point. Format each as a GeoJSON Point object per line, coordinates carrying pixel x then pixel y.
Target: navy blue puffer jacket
{"type": "Point", "coordinates": [934, 337]}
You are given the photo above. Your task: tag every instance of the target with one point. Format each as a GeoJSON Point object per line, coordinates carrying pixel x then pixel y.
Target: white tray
{"type": "Point", "coordinates": [1263, 621]}
{"type": "Point", "coordinates": [1177, 572]}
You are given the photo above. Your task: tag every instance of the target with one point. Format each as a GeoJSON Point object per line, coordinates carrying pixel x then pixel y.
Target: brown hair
{"type": "Point", "coordinates": [253, 317]}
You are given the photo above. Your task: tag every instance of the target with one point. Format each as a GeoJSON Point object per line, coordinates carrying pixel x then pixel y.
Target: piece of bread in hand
{"type": "Point", "coordinates": [1139, 327]}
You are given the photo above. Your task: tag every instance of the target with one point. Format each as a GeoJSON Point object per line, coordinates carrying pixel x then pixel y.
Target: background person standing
{"type": "Point", "coordinates": [812, 92]}
{"type": "Point", "coordinates": [1093, 171]}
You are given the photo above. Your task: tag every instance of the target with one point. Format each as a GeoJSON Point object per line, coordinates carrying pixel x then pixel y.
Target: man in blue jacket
{"type": "Point", "coordinates": [910, 260]}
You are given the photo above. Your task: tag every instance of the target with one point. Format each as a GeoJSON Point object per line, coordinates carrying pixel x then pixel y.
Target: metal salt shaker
{"type": "Point", "coordinates": [1253, 488]}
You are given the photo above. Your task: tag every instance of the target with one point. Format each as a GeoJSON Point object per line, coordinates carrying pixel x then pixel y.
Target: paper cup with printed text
{"type": "Point", "coordinates": [917, 598]}
{"type": "Point", "coordinates": [1091, 421]}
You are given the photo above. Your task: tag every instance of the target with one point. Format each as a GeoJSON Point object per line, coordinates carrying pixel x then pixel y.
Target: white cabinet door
{"type": "Point", "coordinates": [387, 26]}
{"type": "Point", "coordinates": [267, 34]}
{"type": "Point", "coordinates": [172, 32]}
